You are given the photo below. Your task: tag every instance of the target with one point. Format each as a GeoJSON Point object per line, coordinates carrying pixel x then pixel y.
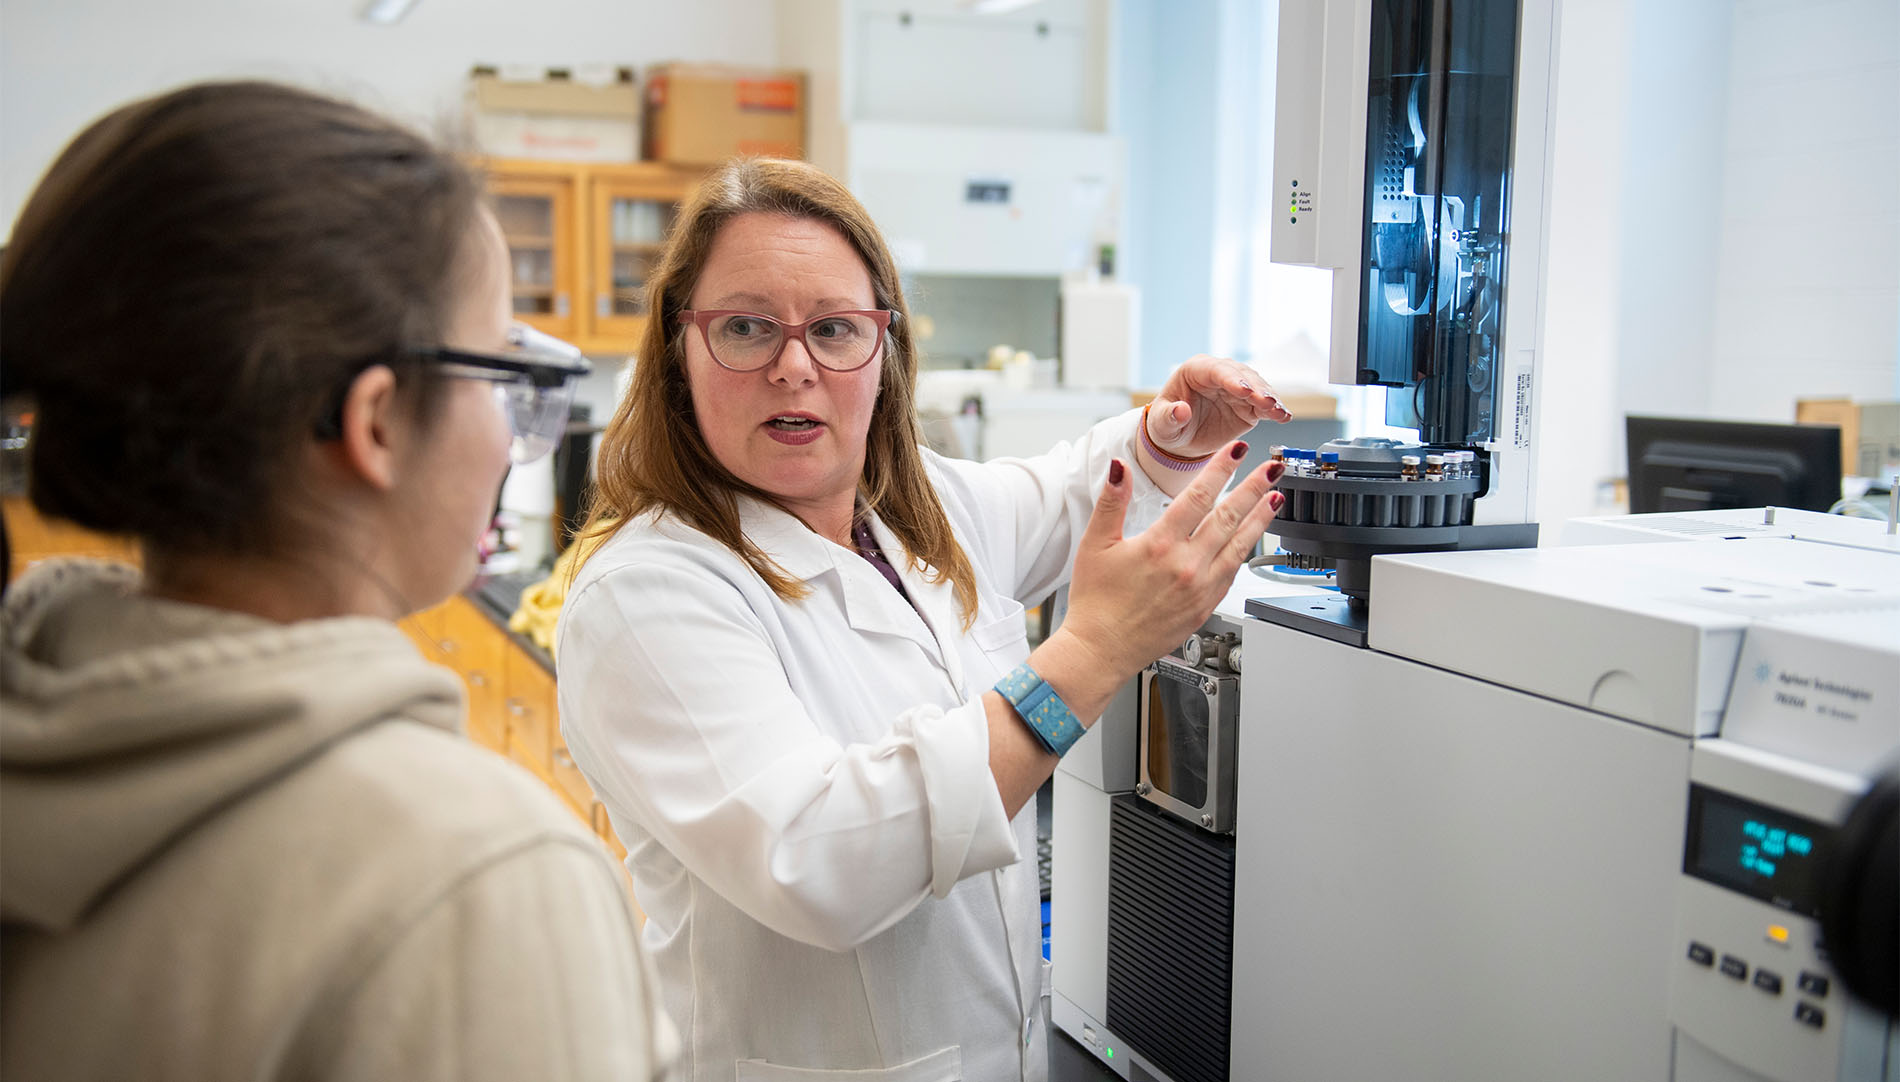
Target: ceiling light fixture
{"type": "Point", "coordinates": [386, 12]}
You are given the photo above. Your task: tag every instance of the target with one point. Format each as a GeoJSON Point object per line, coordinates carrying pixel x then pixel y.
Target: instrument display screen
{"type": "Point", "coordinates": [1755, 849]}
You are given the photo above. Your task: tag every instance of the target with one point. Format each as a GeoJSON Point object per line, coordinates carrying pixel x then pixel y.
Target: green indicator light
{"type": "Point", "coordinates": [1110, 1051]}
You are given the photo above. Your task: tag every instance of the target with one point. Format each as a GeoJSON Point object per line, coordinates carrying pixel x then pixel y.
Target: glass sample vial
{"type": "Point", "coordinates": [1433, 513]}
{"type": "Point", "coordinates": [1328, 470]}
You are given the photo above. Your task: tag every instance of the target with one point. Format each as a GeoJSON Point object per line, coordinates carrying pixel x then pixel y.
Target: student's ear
{"type": "Point", "coordinates": [373, 414]}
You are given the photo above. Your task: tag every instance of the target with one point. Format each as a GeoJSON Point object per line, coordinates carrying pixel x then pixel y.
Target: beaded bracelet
{"type": "Point", "coordinates": [1173, 462]}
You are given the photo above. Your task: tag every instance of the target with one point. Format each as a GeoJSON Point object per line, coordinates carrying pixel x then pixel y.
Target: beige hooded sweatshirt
{"type": "Point", "coordinates": [232, 849]}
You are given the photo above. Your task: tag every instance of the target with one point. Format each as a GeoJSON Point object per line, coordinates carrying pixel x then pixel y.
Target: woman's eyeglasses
{"type": "Point", "coordinates": [746, 341]}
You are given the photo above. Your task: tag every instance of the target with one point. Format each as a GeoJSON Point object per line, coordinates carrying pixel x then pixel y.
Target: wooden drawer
{"type": "Point", "coordinates": [529, 709]}
{"type": "Point", "coordinates": [472, 645]}
{"type": "Point", "coordinates": [426, 624]}
{"type": "Point", "coordinates": [579, 811]}
{"type": "Point", "coordinates": [520, 753]}
{"type": "Point", "coordinates": [604, 827]}
{"type": "Point", "coordinates": [424, 642]}
{"type": "Point", "coordinates": [470, 639]}
{"type": "Point", "coordinates": [568, 777]}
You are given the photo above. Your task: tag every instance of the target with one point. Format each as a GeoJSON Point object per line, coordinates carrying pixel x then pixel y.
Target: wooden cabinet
{"type": "Point", "coordinates": [582, 240]}
{"type": "Point", "coordinates": [631, 215]}
{"type": "Point", "coordinates": [32, 538]}
{"type": "Point", "coordinates": [531, 712]}
{"type": "Point", "coordinates": [469, 645]}
{"type": "Point", "coordinates": [537, 208]}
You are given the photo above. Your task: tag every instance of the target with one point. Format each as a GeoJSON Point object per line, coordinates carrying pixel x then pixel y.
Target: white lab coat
{"type": "Point", "coordinates": [831, 886]}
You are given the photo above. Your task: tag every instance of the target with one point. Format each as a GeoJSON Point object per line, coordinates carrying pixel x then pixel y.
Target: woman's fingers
{"type": "Point", "coordinates": [1249, 391]}
{"type": "Point", "coordinates": [1166, 424]}
{"type": "Point", "coordinates": [1111, 509]}
{"type": "Point", "coordinates": [1222, 377]}
{"type": "Point", "coordinates": [1193, 504]}
{"type": "Point", "coordinates": [1240, 546]}
{"type": "Point", "coordinates": [1230, 517]}
{"type": "Point", "coordinates": [1266, 403]}
{"type": "Point", "coordinates": [1208, 401]}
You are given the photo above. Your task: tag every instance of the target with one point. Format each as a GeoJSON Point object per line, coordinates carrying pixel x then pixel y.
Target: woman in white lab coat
{"type": "Point", "coordinates": [796, 670]}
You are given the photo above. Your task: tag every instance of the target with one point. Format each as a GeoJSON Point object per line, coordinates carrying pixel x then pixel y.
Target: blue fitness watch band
{"type": "Point", "coordinates": [1054, 724]}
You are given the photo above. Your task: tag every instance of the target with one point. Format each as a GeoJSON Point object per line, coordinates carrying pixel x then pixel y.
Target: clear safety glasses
{"type": "Point", "coordinates": [746, 341]}
{"type": "Point", "coordinates": [534, 382]}
{"type": "Point", "coordinates": [533, 378]}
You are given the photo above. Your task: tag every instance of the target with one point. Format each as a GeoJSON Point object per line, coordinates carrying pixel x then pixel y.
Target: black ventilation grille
{"type": "Point", "coordinates": [1170, 940]}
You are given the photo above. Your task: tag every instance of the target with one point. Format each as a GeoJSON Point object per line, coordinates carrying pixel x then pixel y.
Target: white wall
{"type": "Point", "coordinates": [65, 62]}
{"type": "Point", "coordinates": [1725, 218]}
{"type": "Point", "coordinates": [1668, 225]}
{"type": "Point", "coordinates": [1166, 105]}
{"type": "Point", "coordinates": [1807, 266]}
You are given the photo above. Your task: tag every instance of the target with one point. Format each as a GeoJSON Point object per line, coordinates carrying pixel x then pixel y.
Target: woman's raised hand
{"type": "Point", "coordinates": [1208, 401]}
{"type": "Point", "coordinates": [1133, 599]}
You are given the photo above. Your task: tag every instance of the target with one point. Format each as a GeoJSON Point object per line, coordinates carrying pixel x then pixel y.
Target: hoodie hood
{"type": "Point", "coordinates": [125, 721]}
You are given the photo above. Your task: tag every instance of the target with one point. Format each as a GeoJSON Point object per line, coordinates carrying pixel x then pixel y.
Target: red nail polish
{"type": "Point", "coordinates": [1240, 450]}
{"type": "Point", "coordinates": [1115, 471]}
{"type": "Point", "coordinates": [1274, 470]}
{"type": "Point", "coordinates": [1276, 500]}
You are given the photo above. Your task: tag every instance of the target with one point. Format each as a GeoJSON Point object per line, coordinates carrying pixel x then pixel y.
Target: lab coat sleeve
{"type": "Point", "coordinates": [1026, 515]}
{"type": "Point", "coordinates": [677, 708]}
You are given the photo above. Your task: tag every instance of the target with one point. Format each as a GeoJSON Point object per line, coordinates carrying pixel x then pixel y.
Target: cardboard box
{"type": "Point", "coordinates": [555, 117]}
{"type": "Point", "coordinates": [1870, 432]}
{"type": "Point", "coordinates": [703, 114]}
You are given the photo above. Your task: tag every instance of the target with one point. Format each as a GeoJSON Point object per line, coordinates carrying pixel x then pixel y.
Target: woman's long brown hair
{"type": "Point", "coordinates": [652, 456]}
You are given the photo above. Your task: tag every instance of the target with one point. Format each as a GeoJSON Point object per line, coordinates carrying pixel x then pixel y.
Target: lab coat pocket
{"type": "Point", "coordinates": [944, 1065]}
{"type": "Point", "coordinates": [1002, 634]}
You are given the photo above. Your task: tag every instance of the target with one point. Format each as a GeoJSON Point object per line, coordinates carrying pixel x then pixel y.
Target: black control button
{"type": "Point", "coordinates": [1768, 982]}
{"type": "Point", "coordinates": [1809, 1015]}
{"type": "Point", "coordinates": [1700, 954]}
{"type": "Point", "coordinates": [1734, 967]}
{"type": "Point", "coordinates": [1812, 983]}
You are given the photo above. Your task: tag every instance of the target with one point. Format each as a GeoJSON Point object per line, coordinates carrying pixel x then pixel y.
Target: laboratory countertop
{"type": "Point", "coordinates": [497, 596]}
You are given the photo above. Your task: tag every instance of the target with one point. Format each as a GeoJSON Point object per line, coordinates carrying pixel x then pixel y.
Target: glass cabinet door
{"type": "Point", "coordinates": [536, 216]}
{"type": "Point", "coordinates": [637, 229]}
{"type": "Point", "coordinates": [632, 216]}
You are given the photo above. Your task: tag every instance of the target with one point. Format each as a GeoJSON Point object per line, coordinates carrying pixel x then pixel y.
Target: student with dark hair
{"type": "Point", "coordinates": [268, 335]}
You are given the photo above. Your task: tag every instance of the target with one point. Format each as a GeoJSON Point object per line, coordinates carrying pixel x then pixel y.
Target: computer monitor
{"type": "Point", "coordinates": [1683, 464]}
